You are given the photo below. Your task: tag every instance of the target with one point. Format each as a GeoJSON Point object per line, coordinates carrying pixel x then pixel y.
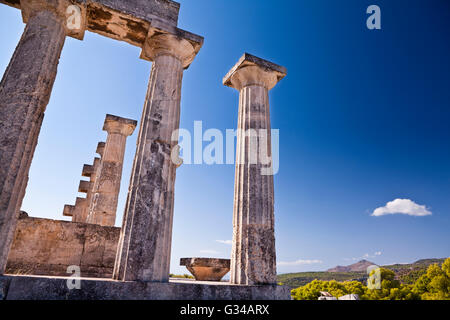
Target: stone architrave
{"type": "Point", "coordinates": [24, 94]}
{"type": "Point", "coordinates": [253, 259]}
{"type": "Point", "coordinates": [145, 244]}
{"type": "Point", "coordinates": [105, 193]}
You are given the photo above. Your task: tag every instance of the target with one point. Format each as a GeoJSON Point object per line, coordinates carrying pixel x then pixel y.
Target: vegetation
{"type": "Point", "coordinates": [433, 284]}
{"type": "Point", "coordinates": [184, 276]}
{"type": "Point", "coordinates": [295, 280]}
{"type": "Point", "coordinates": [405, 273]}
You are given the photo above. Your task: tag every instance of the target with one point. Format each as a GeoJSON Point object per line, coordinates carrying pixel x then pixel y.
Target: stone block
{"type": "Point", "coordinates": [48, 288]}
{"type": "Point", "coordinates": [206, 269]}
{"type": "Point", "coordinates": [48, 247]}
{"type": "Point", "coordinates": [4, 284]}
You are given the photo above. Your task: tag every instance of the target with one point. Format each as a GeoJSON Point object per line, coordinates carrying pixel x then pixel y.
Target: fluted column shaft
{"type": "Point", "coordinates": [253, 256]}
{"type": "Point", "coordinates": [24, 94]}
{"type": "Point", "coordinates": [144, 247]}
{"type": "Point", "coordinates": [253, 252]}
{"type": "Point", "coordinates": [144, 251]}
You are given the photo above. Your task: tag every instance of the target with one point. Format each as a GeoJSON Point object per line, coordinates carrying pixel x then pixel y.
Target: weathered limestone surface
{"type": "Point", "coordinates": [4, 285]}
{"type": "Point", "coordinates": [79, 212]}
{"type": "Point", "coordinates": [48, 247]}
{"type": "Point", "coordinates": [91, 172]}
{"type": "Point", "coordinates": [106, 187]}
{"type": "Point", "coordinates": [206, 269]}
{"type": "Point", "coordinates": [24, 94]}
{"type": "Point", "coordinates": [253, 259]}
{"type": "Point", "coordinates": [145, 242]}
{"type": "Point", "coordinates": [124, 20]}
{"type": "Point", "coordinates": [33, 288]}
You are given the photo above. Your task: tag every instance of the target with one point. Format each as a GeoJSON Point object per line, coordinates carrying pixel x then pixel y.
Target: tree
{"type": "Point", "coordinates": [391, 289]}
{"type": "Point", "coordinates": [435, 283]}
{"type": "Point", "coordinates": [432, 285]}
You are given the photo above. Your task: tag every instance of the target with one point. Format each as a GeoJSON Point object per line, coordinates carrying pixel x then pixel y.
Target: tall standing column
{"type": "Point", "coordinates": [253, 259]}
{"type": "Point", "coordinates": [106, 189]}
{"type": "Point", "coordinates": [24, 94]}
{"type": "Point", "coordinates": [145, 244]}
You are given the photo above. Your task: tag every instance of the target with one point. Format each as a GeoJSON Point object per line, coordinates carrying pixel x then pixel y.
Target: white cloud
{"type": "Point", "coordinates": [209, 251]}
{"type": "Point", "coordinates": [225, 241]}
{"type": "Point", "coordinates": [402, 206]}
{"type": "Point", "coordinates": [378, 253]}
{"type": "Point", "coordinates": [298, 262]}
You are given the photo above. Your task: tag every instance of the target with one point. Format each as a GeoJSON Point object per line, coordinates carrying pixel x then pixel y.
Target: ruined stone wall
{"type": "Point", "coordinates": [48, 247]}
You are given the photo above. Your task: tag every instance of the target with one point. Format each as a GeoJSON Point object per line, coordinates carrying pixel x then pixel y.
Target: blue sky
{"type": "Point", "coordinates": [363, 118]}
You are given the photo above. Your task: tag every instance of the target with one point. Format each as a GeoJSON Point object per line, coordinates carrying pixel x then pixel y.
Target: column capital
{"type": "Point", "coordinates": [163, 39]}
{"type": "Point", "coordinates": [251, 70]}
{"type": "Point", "coordinates": [123, 126]}
{"type": "Point", "coordinates": [72, 14]}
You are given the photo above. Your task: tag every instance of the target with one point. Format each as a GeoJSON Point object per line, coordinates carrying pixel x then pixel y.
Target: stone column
{"type": "Point", "coordinates": [24, 94]}
{"type": "Point", "coordinates": [79, 212]}
{"type": "Point", "coordinates": [106, 188]}
{"type": "Point", "coordinates": [253, 259]}
{"type": "Point", "coordinates": [145, 244]}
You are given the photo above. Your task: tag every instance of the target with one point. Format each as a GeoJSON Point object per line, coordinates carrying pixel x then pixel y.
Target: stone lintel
{"type": "Point", "coordinates": [168, 38]}
{"type": "Point", "coordinates": [148, 10]}
{"type": "Point", "coordinates": [100, 149]}
{"type": "Point", "coordinates": [273, 72]}
{"type": "Point", "coordinates": [124, 20]}
{"type": "Point", "coordinates": [115, 124]}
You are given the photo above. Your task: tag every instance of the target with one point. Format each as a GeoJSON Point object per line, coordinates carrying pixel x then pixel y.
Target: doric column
{"type": "Point", "coordinates": [145, 244]}
{"type": "Point", "coordinates": [24, 94]}
{"type": "Point", "coordinates": [105, 194]}
{"type": "Point", "coordinates": [253, 258]}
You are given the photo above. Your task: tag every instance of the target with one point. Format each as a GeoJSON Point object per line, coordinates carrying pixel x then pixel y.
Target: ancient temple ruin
{"type": "Point", "coordinates": [131, 262]}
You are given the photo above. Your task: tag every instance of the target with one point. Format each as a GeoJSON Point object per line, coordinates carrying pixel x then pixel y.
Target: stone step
{"type": "Point", "coordinates": [68, 210]}
{"type": "Point", "coordinates": [84, 186]}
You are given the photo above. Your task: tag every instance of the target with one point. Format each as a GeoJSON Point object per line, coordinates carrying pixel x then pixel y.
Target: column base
{"type": "Point", "coordinates": [55, 288]}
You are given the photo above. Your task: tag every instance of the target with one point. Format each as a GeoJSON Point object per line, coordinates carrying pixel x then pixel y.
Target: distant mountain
{"type": "Point", "coordinates": [423, 263]}
{"type": "Point", "coordinates": [407, 273]}
{"type": "Point", "coordinates": [360, 266]}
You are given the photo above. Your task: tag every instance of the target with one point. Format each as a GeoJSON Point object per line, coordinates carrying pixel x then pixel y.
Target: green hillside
{"type": "Point", "coordinates": [295, 280]}
{"type": "Point", "coordinates": [406, 273]}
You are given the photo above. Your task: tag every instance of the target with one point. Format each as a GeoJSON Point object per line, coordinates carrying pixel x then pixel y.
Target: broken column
{"type": "Point", "coordinates": [24, 94]}
{"type": "Point", "coordinates": [79, 212]}
{"type": "Point", "coordinates": [253, 259]}
{"type": "Point", "coordinates": [145, 243]}
{"type": "Point", "coordinates": [105, 194]}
